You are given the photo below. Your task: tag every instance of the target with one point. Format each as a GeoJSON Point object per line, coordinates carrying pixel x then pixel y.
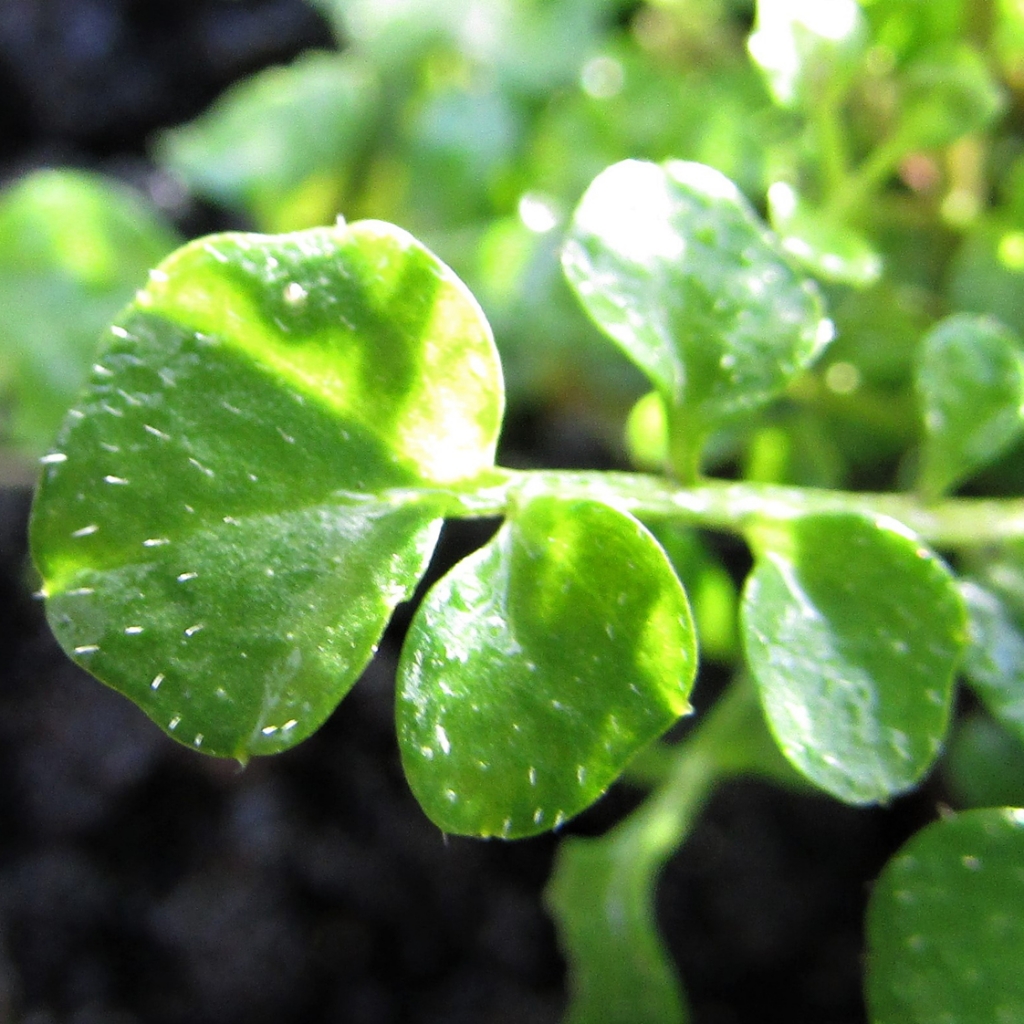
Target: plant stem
{"type": "Point", "coordinates": [831, 135]}
{"type": "Point", "coordinates": [601, 893]}
{"type": "Point", "coordinates": [728, 506]}
{"type": "Point", "coordinates": [868, 177]}
{"type": "Point", "coordinates": [686, 444]}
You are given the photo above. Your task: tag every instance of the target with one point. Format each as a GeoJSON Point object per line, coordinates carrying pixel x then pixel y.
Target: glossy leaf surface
{"type": "Point", "coordinates": [539, 666]}
{"type": "Point", "coordinates": [73, 249]}
{"type": "Point", "coordinates": [852, 632]}
{"type": "Point", "coordinates": [673, 264]}
{"type": "Point", "coordinates": [945, 932]}
{"type": "Point", "coordinates": [970, 381]}
{"type": "Point", "coordinates": [229, 519]}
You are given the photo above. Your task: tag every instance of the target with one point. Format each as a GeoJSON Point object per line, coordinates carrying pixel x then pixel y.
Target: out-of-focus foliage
{"type": "Point", "coordinates": [73, 249]}
{"type": "Point", "coordinates": [870, 132]}
{"type": "Point", "coordinates": [477, 125]}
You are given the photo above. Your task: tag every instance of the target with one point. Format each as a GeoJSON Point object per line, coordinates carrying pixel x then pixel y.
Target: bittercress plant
{"type": "Point", "coordinates": [258, 469]}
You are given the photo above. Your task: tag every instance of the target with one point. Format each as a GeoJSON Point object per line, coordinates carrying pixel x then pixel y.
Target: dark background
{"type": "Point", "coordinates": [142, 882]}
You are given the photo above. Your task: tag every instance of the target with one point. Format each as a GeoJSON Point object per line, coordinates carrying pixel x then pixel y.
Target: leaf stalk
{"type": "Point", "coordinates": [734, 507]}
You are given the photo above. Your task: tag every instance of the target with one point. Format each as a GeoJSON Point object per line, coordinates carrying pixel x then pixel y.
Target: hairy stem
{"type": "Point", "coordinates": [733, 507]}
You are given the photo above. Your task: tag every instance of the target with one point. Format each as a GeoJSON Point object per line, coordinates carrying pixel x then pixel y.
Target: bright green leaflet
{"type": "Point", "coordinates": [970, 381]}
{"type": "Point", "coordinates": [235, 507]}
{"type": "Point", "coordinates": [281, 144]}
{"type": "Point", "coordinates": [852, 632]}
{"type": "Point", "coordinates": [73, 249]}
{"type": "Point", "coordinates": [945, 931]}
{"type": "Point", "coordinates": [539, 666]}
{"type": "Point", "coordinates": [675, 266]}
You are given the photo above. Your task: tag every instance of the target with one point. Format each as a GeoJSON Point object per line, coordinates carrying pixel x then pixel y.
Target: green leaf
{"type": "Point", "coordinates": [602, 896]}
{"type": "Point", "coordinates": [994, 660]}
{"type": "Point", "coordinates": [945, 932]}
{"type": "Point", "coordinates": [970, 382]}
{"type": "Point", "coordinates": [710, 588]}
{"type": "Point", "coordinates": [281, 144]}
{"type": "Point", "coordinates": [673, 264]}
{"type": "Point", "coordinates": [539, 666]}
{"type": "Point", "coordinates": [945, 94]}
{"type": "Point", "coordinates": [235, 507]}
{"type": "Point", "coordinates": [852, 632]}
{"type": "Point", "coordinates": [987, 272]}
{"type": "Point", "coordinates": [602, 891]}
{"type": "Point", "coordinates": [903, 29]}
{"type": "Point", "coordinates": [984, 765]}
{"type": "Point", "coordinates": [73, 249]}
{"type": "Point", "coordinates": [827, 248]}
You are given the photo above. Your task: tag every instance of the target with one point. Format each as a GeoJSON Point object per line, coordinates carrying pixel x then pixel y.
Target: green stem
{"type": "Point", "coordinates": [601, 893]}
{"type": "Point", "coordinates": [727, 506]}
{"type": "Point", "coordinates": [868, 177]}
{"type": "Point", "coordinates": [686, 444]}
{"type": "Point", "coordinates": [831, 137]}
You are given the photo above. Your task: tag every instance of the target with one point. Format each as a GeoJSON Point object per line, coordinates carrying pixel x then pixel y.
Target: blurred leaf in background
{"type": "Point", "coordinates": [74, 247]}
{"type": "Point", "coordinates": [477, 126]}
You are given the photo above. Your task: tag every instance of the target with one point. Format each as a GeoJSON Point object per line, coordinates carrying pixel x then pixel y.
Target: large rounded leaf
{"type": "Point", "coordinates": [538, 667]}
{"type": "Point", "coordinates": [232, 512]}
{"type": "Point", "coordinates": [945, 929]}
{"type": "Point", "coordinates": [675, 266]}
{"type": "Point", "coordinates": [852, 632]}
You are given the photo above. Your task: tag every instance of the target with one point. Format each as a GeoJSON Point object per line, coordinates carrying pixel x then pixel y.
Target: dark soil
{"type": "Point", "coordinates": [141, 882]}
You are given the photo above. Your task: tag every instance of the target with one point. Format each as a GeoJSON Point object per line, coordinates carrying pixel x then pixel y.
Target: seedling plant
{"type": "Point", "coordinates": [277, 426]}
